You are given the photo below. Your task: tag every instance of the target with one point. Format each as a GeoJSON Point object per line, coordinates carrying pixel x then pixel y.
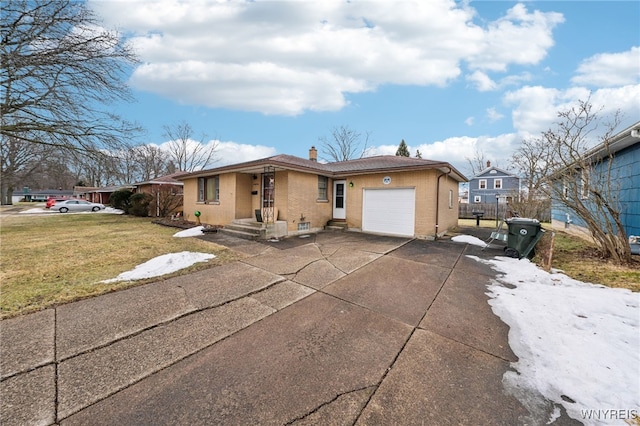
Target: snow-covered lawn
{"type": "Point", "coordinates": [162, 265]}
{"type": "Point", "coordinates": [190, 232]}
{"type": "Point", "coordinates": [469, 240]}
{"type": "Point", "coordinates": [578, 344]}
{"type": "Point", "coordinates": [43, 210]}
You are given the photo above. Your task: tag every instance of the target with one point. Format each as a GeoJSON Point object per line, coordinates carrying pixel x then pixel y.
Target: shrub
{"type": "Point", "coordinates": [140, 204]}
{"type": "Point", "coordinates": [121, 199]}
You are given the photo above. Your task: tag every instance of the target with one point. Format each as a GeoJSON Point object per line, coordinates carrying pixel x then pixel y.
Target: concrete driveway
{"type": "Point", "coordinates": [339, 328]}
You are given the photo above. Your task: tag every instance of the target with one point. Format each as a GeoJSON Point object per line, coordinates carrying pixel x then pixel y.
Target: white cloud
{"type": "Point", "coordinates": [228, 152]}
{"type": "Point", "coordinates": [290, 57]}
{"type": "Point", "coordinates": [610, 69]}
{"type": "Point", "coordinates": [482, 81]}
{"type": "Point", "coordinates": [519, 37]}
{"type": "Point", "coordinates": [536, 107]}
{"type": "Point", "coordinates": [493, 115]}
{"type": "Point", "coordinates": [232, 152]}
{"type": "Point", "coordinates": [469, 121]}
{"type": "Point", "coordinates": [456, 150]}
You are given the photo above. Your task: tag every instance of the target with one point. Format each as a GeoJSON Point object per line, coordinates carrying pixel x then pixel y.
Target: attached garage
{"type": "Point", "coordinates": [389, 211]}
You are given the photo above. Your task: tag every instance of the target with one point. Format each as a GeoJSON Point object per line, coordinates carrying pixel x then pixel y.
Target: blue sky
{"type": "Point", "coordinates": [450, 78]}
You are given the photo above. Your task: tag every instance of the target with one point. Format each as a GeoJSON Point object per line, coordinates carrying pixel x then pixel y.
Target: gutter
{"type": "Point", "coordinates": [438, 199]}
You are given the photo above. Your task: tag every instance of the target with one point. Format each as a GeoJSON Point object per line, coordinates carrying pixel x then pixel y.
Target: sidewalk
{"type": "Point", "coordinates": [342, 328]}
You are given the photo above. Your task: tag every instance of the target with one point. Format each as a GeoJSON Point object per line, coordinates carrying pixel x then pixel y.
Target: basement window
{"type": "Point", "coordinates": [303, 226]}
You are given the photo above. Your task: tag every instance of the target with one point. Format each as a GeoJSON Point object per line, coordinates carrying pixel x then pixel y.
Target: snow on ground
{"type": "Point", "coordinates": [578, 344]}
{"type": "Point", "coordinates": [41, 210]}
{"type": "Point", "coordinates": [162, 265]}
{"type": "Point", "coordinates": [191, 232]}
{"type": "Point", "coordinates": [469, 240]}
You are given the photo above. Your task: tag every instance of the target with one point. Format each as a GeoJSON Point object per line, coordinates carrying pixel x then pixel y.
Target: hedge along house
{"type": "Point", "coordinates": [289, 195]}
{"type": "Point", "coordinates": [618, 161]}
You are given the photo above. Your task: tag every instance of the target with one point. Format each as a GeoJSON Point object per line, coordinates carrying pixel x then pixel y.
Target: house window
{"type": "Point", "coordinates": [323, 182]}
{"type": "Point", "coordinates": [477, 199]}
{"type": "Point", "coordinates": [497, 184]}
{"type": "Point", "coordinates": [209, 189]}
{"type": "Point", "coordinates": [303, 226]}
{"type": "Point", "coordinates": [450, 199]}
{"type": "Point", "coordinates": [482, 184]}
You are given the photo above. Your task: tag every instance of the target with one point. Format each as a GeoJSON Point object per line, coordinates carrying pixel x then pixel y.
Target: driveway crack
{"type": "Point", "coordinates": [331, 401]}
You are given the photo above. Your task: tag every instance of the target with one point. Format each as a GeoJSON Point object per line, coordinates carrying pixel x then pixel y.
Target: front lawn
{"type": "Point", "coordinates": [57, 258]}
{"type": "Point", "coordinates": [579, 259]}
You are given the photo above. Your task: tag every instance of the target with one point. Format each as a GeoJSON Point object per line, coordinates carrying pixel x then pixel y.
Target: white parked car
{"type": "Point", "coordinates": [77, 206]}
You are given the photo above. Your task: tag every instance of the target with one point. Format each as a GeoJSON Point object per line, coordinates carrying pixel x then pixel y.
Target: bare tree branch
{"type": "Point", "coordinates": [187, 153]}
{"type": "Point", "coordinates": [344, 144]}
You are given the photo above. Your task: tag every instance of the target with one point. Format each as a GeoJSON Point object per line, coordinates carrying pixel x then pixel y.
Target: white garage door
{"type": "Point", "coordinates": [389, 211]}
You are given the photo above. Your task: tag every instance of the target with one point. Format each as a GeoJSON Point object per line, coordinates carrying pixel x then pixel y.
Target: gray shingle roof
{"type": "Point", "coordinates": [377, 164]}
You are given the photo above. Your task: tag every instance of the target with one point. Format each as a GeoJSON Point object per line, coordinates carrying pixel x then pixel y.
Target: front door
{"type": "Point", "coordinates": [339, 199]}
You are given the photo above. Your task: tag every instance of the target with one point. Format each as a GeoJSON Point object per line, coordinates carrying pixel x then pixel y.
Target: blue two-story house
{"type": "Point", "coordinates": [624, 149]}
{"type": "Point", "coordinates": [493, 184]}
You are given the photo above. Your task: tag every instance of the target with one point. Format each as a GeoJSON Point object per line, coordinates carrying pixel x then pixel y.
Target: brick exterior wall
{"type": "Point", "coordinates": [296, 195]}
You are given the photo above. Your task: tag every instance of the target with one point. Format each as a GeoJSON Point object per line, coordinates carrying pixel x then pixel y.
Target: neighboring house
{"type": "Point", "coordinates": [167, 193]}
{"type": "Point", "coordinates": [98, 195]}
{"type": "Point", "coordinates": [386, 194]}
{"type": "Point", "coordinates": [42, 195]}
{"type": "Point", "coordinates": [624, 148]}
{"type": "Point", "coordinates": [492, 183]}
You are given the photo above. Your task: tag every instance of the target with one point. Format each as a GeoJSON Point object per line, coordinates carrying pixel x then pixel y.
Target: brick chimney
{"type": "Point", "coordinates": [488, 164]}
{"type": "Point", "coordinates": [313, 154]}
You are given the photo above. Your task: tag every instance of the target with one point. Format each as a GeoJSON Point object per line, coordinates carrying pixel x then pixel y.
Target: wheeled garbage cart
{"type": "Point", "coordinates": [522, 237]}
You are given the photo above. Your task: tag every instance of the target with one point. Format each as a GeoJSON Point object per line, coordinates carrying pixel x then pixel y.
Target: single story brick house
{"type": "Point", "coordinates": [166, 191]}
{"type": "Point", "coordinates": [290, 195]}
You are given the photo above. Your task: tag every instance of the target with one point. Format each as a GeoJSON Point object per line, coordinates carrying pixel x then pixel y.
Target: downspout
{"type": "Point", "coordinates": [438, 200]}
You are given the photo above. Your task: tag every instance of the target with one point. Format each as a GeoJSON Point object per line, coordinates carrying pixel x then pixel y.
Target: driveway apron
{"type": "Point", "coordinates": [343, 328]}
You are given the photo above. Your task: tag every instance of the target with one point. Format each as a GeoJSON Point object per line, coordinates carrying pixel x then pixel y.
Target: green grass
{"type": "Point", "coordinates": [48, 260]}
{"type": "Point", "coordinates": [581, 260]}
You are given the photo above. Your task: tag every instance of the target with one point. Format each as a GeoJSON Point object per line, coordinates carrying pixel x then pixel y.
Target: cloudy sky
{"type": "Point", "coordinates": [449, 77]}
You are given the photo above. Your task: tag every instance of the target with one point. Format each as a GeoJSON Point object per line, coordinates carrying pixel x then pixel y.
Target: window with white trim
{"type": "Point", "coordinates": [477, 199]}
{"type": "Point", "coordinates": [497, 184]}
{"type": "Point", "coordinates": [209, 189]}
{"type": "Point", "coordinates": [482, 184]}
{"type": "Point", "coordinates": [450, 199]}
{"type": "Point", "coordinates": [323, 183]}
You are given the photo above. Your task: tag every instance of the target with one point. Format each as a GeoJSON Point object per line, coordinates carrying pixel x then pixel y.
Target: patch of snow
{"type": "Point", "coordinates": [578, 344]}
{"type": "Point", "coordinates": [37, 211]}
{"type": "Point", "coordinates": [111, 210]}
{"type": "Point", "coordinates": [162, 265]}
{"type": "Point", "coordinates": [191, 232]}
{"type": "Point", "coordinates": [469, 240]}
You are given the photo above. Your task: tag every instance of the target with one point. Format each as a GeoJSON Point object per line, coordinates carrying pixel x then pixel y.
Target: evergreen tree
{"type": "Point", "coordinates": [403, 151]}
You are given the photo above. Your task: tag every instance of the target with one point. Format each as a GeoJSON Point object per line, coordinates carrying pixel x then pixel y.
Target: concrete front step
{"type": "Point", "coordinates": [335, 225]}
{"type": "Point", "coordinates": [244, 229]}
{"type": "Point", "coordinates": [240, 234]}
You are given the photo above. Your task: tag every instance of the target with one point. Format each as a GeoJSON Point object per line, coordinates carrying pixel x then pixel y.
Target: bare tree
{"type": "Point", "coordinates": [167, 199]}
{"type": "Point", "coordinates": [187, 153]}
{"type": "Point", "coordinates": [477, 163]}
{"type": "Point", "coordinates": [152, 161]}
{"type": "Point", "coordinates": [531, 160]}
{"type": "Point", "coordinates": [344, 144]}
{"type": "Point", "coordinates": [584, 181]}
{"type": "Point", "coordinates": [18, 162]}
{"type": "Point", "coordinates": [60, 69]}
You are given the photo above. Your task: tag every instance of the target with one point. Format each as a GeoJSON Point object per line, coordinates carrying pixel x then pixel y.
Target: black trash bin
{"type": "Point", "coordinates": [522, 237]}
